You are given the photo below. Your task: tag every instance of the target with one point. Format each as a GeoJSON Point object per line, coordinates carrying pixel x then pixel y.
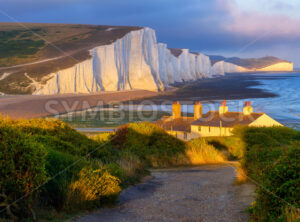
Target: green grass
{"type": "Point", "coordinates": [20, 48]}
{"type": "Point", "coordinates": [107, 163]}
{"type": "Point", "coordinates": [270, 156]}
{"type": "Point", "coordinates": [272, 159]}
{"type": "Point", "coordinates": [234, 145]}
{"type": "Point", "coordinates": [80, 173]}
{"type": "Point", "coordinates": [35, 152]}
{"type": "Point", "coordinates": [17, 43]}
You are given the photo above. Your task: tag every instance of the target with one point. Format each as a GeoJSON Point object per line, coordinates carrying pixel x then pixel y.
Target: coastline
{"type": "Point", "coordinates": [231, 86]}
{"type": "Point", "coordinates": [37, 106]}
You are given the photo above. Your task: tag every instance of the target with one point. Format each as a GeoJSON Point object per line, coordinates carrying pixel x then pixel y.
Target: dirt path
{"type": "Point", "coordinates": [30, 63]}
{"type": "Point", "coordinates": [203, 193]}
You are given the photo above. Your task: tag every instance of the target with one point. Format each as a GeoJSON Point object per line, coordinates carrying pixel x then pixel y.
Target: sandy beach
{"type": "Point", "coordinates": [234, 86]}
{"type": "Point", "coordinates": [34, 106]}
{"type": "Point", "coordinates": [229, 87]}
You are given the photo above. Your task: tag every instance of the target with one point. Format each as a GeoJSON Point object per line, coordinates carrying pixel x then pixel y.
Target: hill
{"type": "Point", "coordinates": [41, 49]}
{"type": "Point", "coordinates": [59, 58]}
{"type": "Point", "coordinates": [71, 58]}
{"type": "Point", "coordinates": [249, 63]}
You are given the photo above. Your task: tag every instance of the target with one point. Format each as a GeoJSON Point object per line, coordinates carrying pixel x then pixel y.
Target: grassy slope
{"type": "Point", "coordinates": [34, 151]}
{"type": "Point", "coordinates": [35, 32]}
{"type": "Point", "coordinates": [82, 173]}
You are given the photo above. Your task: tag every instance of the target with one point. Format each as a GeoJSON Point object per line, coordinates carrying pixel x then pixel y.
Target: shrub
{"type": "Point", "coordinates": [58, 129]}
{"type": "Point", "coordinates": [267, 136]}
{"type": "Point", "coordinates": [57, 135]}
{"type": "Point", "coordinates": [272, 159]}
{"type": "Point", "coordinates": [102, 137]}
{"type": "Point", "coordinates": [281, 187]}
{"type": "Point", "coordinates": [149, 142]}
{"type": "Point", "coordinates": [61, 169]}
{"type": "Point", "coordinates": [36, 150]}
{"type": "Point", "coordinates": [22, 169]}
{"type": "Point", "coordinates": [92, 187]}
{"type": "Point", "coordinates": [55, 143]}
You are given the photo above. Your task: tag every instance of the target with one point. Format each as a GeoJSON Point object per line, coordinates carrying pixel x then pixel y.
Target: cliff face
{"type": "Point", "coordinates": [226, 67]}
{"type": "Point", "coordinates": [135, 61]}
{"type": "Point", "coordinates": [130, 62]}
{"type": "Point", "coordinates": [263, 64]}
{"type": "Point", "coordinates": [282, 66]}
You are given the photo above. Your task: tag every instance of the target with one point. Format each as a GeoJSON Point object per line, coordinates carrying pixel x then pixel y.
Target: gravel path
{"type": "Point", "coordinates": [204, 193]}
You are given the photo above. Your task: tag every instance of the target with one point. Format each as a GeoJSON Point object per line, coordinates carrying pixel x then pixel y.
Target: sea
{"type": "Point", "coordinates": [285, 108]}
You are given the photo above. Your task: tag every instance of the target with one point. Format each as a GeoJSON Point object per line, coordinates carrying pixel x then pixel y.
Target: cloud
{"type": "Point", "coordinates": [281, 6]}
{"type": "Point", "coordinates": [223, 26]}
{"type": "Point", "coordinates": [256, 23]}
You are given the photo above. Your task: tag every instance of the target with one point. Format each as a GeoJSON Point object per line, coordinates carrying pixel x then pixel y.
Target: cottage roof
{"type": "Point", "coordinates": [229, 119]}
{"type": "Point", "coordinates": [179, 124]}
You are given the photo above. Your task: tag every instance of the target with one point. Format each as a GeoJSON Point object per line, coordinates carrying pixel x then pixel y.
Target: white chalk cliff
{"type": "Point", "coordinates": [135, 61]}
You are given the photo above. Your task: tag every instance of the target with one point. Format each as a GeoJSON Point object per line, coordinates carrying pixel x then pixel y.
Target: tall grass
{"type": "Point", "coordinates": [199, 151]}
{"type": "Point", "coordinates": [241, 174]}
{"type": "Point", "coordinates": [36, 151]}
{"type": "Point", "coordinates": [235, 145]}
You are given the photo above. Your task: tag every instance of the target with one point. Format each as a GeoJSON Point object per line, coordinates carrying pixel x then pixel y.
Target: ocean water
{"type": "Point", "coordinates": [285, 108]}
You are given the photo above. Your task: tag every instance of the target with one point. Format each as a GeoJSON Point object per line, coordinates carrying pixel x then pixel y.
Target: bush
{"type": "Point", "coordinates": [59, 130]}
{"type": "Point", "coordinates": [32, 151]}
{"type": "Point", "coordinates": [149, 142]}
{"type": "Point", "coordinates": [92, 186]}
{"type": "Point", "coordinates": [57, 135]}
{"type": "Point", "coordinates": [22, 170]}
{"type": "Point", "coordinates": [272, 160]}
{"type": "Point", "coordinates": [267, 136]}
{"type": "Point", "coordinates": [281, 188]}
{"type": "Point", "coordinates": [61, 169]}
{"type": "Point", "coordinates": [102, 137]}
{"type": "Point", "coordinates": [83, 172]}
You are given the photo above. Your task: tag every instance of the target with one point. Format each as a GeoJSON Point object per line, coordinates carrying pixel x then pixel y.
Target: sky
{"type": "Point", "coordinates": [242, 28]}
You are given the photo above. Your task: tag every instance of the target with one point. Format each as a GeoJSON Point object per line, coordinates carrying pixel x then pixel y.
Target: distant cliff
{"type": "Point", "coordinates": [110, 58]}
{"type": "Point", "coordinates": [135, 61]}
{"type": "Point", "coordinates": [268, 63]}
